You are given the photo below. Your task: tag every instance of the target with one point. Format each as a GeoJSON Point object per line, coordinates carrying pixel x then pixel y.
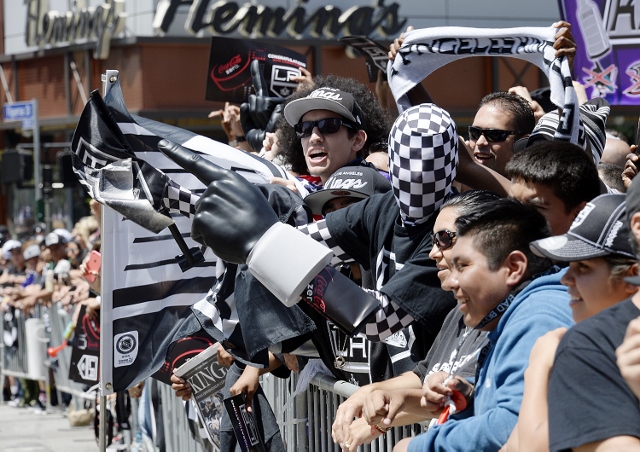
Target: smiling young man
{"type": "Point", "coordinates": [501, 120]}
{"type": "Point", "coordinates": [600, 412]}
{"type": "Point", "coordinates": [502, 288]}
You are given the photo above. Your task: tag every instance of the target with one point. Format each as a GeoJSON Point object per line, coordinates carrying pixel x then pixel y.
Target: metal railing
{"type": "Point", "coordinates": [305, 419]}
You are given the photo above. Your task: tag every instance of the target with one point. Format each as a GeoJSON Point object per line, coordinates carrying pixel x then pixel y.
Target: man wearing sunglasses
{"type": "Point", "coordinates": [388, 233]}
{"type": "Point", "coordinates": [330, 126]}
{"type": "Point", "coordinates": [502, 119]}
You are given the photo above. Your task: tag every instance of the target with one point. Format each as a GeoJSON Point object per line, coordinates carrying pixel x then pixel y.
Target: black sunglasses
{"type": "Point", "coordinates": [492, 135]}
{"type": "Point", "coordinates": [325, 126]}
{"type": "Point", "coordinates": [443, 239]}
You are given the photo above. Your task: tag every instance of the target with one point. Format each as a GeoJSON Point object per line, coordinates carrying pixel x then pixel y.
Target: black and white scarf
{"type": "Point", "coordinates": [426, 50]}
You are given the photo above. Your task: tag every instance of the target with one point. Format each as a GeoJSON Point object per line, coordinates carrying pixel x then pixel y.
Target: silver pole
{"type": "Point", "coordinates": [102, 437]}
{"type": "Point", "coordinates": [37, 176]}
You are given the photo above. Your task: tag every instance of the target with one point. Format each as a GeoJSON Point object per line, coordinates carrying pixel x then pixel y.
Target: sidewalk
{"type": "Point", "coordinates": [22, 430]}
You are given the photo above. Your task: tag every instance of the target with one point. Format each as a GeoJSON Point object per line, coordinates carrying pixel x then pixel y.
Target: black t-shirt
{"type": "Point", "coordinates": [588, 398]}
{"type": "Point", "coordinates": [371, 232]}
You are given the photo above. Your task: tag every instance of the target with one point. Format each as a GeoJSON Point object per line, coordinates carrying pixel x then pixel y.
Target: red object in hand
{"type": "Point", "coordinates": [53, 351]}
{"type": "Point", "coordinates": [456, 399]}
{"type": "Point", "coordinates": [93, 265]}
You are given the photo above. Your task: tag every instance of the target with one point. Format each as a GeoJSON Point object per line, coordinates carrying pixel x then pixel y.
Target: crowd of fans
{"type": "Point", "coordinates": [481, 284]}
{"type": "Point", "coordinates": [530, 235]}
{"type": "Point", "coordinates": [48, 270]}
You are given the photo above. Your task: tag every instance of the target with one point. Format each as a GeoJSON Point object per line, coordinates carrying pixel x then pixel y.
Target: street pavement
{"type": "Point", "coordinates": [22, 430]}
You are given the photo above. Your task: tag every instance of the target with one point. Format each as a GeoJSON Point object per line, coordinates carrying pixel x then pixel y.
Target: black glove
{"type": "Point", "coordinates": [260, 113]}
{"type": "Point", "coordinates": [232, 213]}
{"type": "Point", "coordinates": [235, 220]}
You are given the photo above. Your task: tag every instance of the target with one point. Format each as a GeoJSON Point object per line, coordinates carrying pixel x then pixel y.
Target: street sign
{"type": "Point", "coordinates": [20, 111]}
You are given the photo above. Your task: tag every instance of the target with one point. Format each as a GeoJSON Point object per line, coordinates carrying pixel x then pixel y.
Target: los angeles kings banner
{"type": "Point", "coordinates": [607, 33]}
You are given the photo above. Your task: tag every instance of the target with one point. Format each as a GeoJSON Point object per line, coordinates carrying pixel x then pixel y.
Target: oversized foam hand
{"type": "Point", "coordinates": [260, 113]}
{"type": "Point", "coordinates": [234, 219]}
{"type": "Point", "coordinates": [232, 214]}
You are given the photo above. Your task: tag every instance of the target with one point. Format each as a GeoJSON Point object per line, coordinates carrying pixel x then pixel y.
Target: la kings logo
{"type": "Point", "coordinates": [346, 183]}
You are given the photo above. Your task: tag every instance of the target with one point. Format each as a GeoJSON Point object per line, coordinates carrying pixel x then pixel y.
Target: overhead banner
{"type": "Point", "coordinates": [607, 34]}
{"type": "Point", "coordinates": [229, 77]}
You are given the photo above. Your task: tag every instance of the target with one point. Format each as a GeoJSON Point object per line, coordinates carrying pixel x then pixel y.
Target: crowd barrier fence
{"type": "Point", "coordinates": [29, 359]}
{"type": "Point", "coordinates": [305, 418]}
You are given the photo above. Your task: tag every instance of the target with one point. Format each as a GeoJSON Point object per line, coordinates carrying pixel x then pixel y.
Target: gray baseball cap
{"type": "Point", "coordinates": [326, 98]}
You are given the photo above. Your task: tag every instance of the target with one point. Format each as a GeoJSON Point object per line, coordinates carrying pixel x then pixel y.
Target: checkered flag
{"type": "Point", "coordinates": [181, 200]}
{"type": "Point", "coordinates": [423, 148]}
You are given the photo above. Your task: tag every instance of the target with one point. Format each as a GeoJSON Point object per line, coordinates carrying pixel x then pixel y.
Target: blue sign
{"type": "Point", "coordinates": [20, 111]}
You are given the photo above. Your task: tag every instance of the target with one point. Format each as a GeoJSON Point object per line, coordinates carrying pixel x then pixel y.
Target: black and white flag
{"type": "Point", "coordinates": [146, 298]}
{"type": "Point", "coordinates": [425, 50]}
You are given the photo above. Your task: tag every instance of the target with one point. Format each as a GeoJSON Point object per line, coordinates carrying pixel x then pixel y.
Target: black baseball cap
{"type": "Point", "coordinates": [326, 98]}
{"type": "Point", "coordinates": [351, 181]}
{"type": "Point", "coordinates": [600, 229]}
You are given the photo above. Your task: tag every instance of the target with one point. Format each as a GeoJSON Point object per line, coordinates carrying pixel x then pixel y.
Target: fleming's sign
{"type": "Point", "coordinates": [100, 23]}
{"type": "Point", "coordinates": [224, 17]}
{"type": "Point", "coordinates": [104, 22]}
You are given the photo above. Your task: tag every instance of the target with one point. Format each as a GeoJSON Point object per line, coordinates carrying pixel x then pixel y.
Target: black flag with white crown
{"type": "Point", "coordinates": [148, 303]}
{"type": "Point", "coordinates": [108, 168]}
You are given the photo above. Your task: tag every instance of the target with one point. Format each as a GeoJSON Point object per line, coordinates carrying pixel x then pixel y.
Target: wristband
{"type": "Point", "coordinates": [241, 139]}
{"type": "Point", "coordinates": [285, 260]}
{"type": "Point", "coordinates": [375, 428]}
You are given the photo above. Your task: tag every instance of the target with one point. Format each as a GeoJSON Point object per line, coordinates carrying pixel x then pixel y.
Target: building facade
{"type": "Point", "coordinates": [56, 50]}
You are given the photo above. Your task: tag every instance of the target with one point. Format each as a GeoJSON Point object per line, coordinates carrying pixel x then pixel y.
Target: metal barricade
{"type": "Point", "coordinates": [305, 419]}
{"type": "Point", "coordinates": [14, 358]}
{"type": "Point", "coordinates": [177, 436]}
{"type": "Point", "coordinates": [14, 361]}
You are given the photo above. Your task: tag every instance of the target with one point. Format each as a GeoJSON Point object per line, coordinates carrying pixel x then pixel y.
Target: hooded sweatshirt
{"type": "Point", "coordinates": [540, 307]}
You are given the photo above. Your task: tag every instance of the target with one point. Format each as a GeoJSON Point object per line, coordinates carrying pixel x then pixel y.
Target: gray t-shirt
{"type": "Point", "coordinates": [455, 349]}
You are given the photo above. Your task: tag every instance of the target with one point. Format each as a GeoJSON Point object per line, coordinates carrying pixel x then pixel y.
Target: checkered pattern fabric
{"type": "Point", "coordinates": [181, 200]}
{"type": "Point", "coordinates": [390, 318]}
{"type": "Point", "coordinates": [320, 233]}
{"type": "Point", "coordinates": [423, 151]}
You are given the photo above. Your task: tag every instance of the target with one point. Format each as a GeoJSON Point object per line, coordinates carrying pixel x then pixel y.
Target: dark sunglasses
{"type": "Point", "coordinates": [443, 239]}
{"type": "Point", "coordinates": [492, 135]}
{"type": "Point", "coordinates": [325, 126]}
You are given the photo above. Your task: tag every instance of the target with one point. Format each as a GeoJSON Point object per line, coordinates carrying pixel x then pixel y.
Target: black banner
{"type": "Point", "coordinates": [229, 77]}
{"type": "Point", "coordinates": [86, 350]}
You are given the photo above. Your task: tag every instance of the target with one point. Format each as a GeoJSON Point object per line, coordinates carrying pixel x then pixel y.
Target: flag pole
{"type": "Point", "coordinates": [102, 437]}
